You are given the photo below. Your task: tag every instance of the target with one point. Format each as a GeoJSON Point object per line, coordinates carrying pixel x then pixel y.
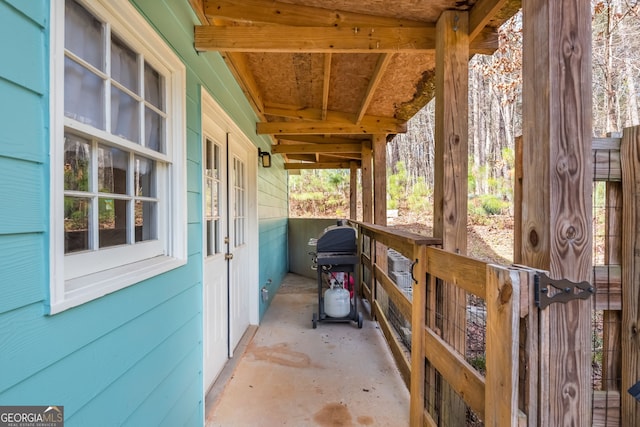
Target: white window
{"type": "Point", "coordinates": [118, 193]}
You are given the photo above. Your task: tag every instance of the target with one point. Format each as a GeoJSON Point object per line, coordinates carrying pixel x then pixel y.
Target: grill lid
{"type": "Point", "coordinates": [337, 238]}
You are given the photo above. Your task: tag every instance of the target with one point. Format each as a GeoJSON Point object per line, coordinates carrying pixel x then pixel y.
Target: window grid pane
{"type": "Point", "coordinates": [153, 87]}
{"type": "Point", "coordinates": [83, 95]}
{"type": "Point", "coordinates": [146, 222]}
{"type": "Point", "coordinates": [124, 67]}
{"type": "Point", "coordinates": [83, 35]}
{"type": "Point", "coordinates": [112, 170]}
{"type": "Point", "coordinates": [76, 224]}
{"type": "Point", "coordinates": [112, 222]}
{"type": "Point", "coordinates": [125, 120]}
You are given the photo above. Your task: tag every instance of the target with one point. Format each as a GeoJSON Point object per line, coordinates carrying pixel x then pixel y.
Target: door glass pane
{"type": "Point", "coordinates": [239, 202]}
{"type": "Point", "coordinates": [146, 221]}
{"type": "Point", "coordinates": [83, 35]}
{"type": "Point", "coordinates": [212, 196]}
{"type": "Point", "coordinates": [76, 224]}
{"type": "Point", "coordinates": [144, 177]}
{"type": "Point", "coordinates": [77, 163]}
{"type": "Point", "coordinates": [124, 115]}
{"type": "Point", "coordinates": [213, 237]}
{"type": "Point", "coordinates": [209, 198]}
{"type": "Point", "coordinates": [216, 161]}
{"type": "Point", "coordinates": [112, 170]}
{"type": "Point", "coordinates": [112, 221]}
{"type": "Point", "coordinates": [83, 95]}
{"type": "Point", "coordinates": [124, 67]}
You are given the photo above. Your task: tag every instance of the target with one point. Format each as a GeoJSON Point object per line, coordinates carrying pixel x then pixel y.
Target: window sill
{"type": "Point", "coordinates": [90, 287]}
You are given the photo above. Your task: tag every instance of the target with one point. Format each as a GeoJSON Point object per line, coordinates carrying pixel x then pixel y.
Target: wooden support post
{"type": "Point", "coordinates": [557, 184]}
{"type": "Point", "coordinates": [630, 155]}
{"type": "Point", "coordinates": [517, 203]}
{"type": "Point", "coordinates": [367, 184]}
{"type": "Point", "coordinates": [418, 319]}
{"type": "Point", "coordinates": [450, 178]}
{"type": "Point", "coordinates": [380, 179]}
{"type": "Point", "coordinates": [380, 199]}
{"type": "Point", "coordinates": [353, 191]}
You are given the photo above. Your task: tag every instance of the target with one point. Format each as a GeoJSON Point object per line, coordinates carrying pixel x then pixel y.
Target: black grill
{"type": "Point", "coordinates": [337, 246]}
{"type": "Point", "coordinates": [337, 238]}
{"type": "Point", "coordinates": [337, 252]}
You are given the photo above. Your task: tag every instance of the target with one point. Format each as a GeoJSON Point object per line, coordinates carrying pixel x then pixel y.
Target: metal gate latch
{"type": "Point", "coordinates": [565, 290]}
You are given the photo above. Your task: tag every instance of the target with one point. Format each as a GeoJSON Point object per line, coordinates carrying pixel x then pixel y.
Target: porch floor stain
{"type": "Point", "coordinates": [285, 373]}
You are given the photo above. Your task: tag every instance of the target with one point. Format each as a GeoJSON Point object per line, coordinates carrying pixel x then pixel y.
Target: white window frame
{"type": "Point", "coordinates": [79, 278]}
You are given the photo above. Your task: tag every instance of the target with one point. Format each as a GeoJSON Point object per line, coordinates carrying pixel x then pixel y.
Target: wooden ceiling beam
{"type": "Point", "coordinates": [293, 112]}
{"type": "Point", "coordinates": [319, 158]}
{"type": "Point", "coordinates": [301, 158]}
{"type": "Point", "coordinates": [274, 12]}
{"type": "Point", "coordinates": [279, 39]}
{"type": "Point", "coordinates": [481, 14]}
{"type": "Point", "coordinates": [304, 113]}
{"type": "Point", "coordinates": [381, 66]}
{"type": "Point", "coordinates": [345, 156]}
{"type": "Point", "coordinates": [316, 148]}
{"type": "Point", "coordinates": [327, 165]}
{"type": "Point", "coordinates": [318, 139]}
{"type": "Point", "coordinates": [369, 125]}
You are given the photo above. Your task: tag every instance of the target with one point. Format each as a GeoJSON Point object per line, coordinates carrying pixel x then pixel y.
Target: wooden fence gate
{"type": "Point", "coordinates": [616, 308]}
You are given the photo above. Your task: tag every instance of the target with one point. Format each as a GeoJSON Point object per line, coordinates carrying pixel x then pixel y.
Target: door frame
{"type": "Point", "coordinates": [211, 109]}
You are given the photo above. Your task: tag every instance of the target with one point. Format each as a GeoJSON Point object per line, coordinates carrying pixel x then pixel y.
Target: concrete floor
{"type": "Point", "coordinates": [286, 373]}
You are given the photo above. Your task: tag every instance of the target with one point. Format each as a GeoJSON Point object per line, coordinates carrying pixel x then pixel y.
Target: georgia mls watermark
{"type": "Point", "coordinates": [31, 416]}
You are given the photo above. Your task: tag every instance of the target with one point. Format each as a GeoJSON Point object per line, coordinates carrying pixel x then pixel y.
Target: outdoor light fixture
{"type": "Point", "coordinates": [265, 157]}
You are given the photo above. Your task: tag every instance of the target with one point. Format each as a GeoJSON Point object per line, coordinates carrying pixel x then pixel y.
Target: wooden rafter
{"type": "Point", "coordinates": [239, 68]}
{"type": "Point", "coordinates": [325, 84]}
{"type": "Point", "coordinates": [198, 8]}
{"type": "Point", "coordinates": [381, 66]}
{"type": "Point", "coordinates": [280, 39]}
{"type": "Point", "coordinates": [480, 15]}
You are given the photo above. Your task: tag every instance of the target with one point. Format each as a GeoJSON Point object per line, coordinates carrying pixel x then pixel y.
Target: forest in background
{"type": "Point", "coordinates": [495, 120]}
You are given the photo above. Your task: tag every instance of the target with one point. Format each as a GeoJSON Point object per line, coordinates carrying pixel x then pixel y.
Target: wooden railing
{"type": "Point", "coordinates": [493, 397]}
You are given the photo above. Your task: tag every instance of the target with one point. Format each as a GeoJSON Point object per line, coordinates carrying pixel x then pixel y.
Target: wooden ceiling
{"type": "Point", "coordinates": [324, 76]}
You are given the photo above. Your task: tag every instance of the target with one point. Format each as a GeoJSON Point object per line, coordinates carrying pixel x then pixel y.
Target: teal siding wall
{"type": "Point", "coordinates": [209, 71]}
{"type": "Point", "coordinates": [130, 356]}
{"type": "Point", "coordinates": [273, 214]}
{"type": "Point", "coordinates": [133, 357]}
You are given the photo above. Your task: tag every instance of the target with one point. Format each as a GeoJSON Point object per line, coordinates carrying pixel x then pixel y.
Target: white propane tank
{"type": "Point", "coordinates": [336, 301]}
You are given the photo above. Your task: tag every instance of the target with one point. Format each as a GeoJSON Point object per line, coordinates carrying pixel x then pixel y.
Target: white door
{"type": "Point", "coordinates": [215, 269]}
{"type": "Point", "coordinates": [230, 301]}
{"type": "Point", "coordinates": [239, 268]}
